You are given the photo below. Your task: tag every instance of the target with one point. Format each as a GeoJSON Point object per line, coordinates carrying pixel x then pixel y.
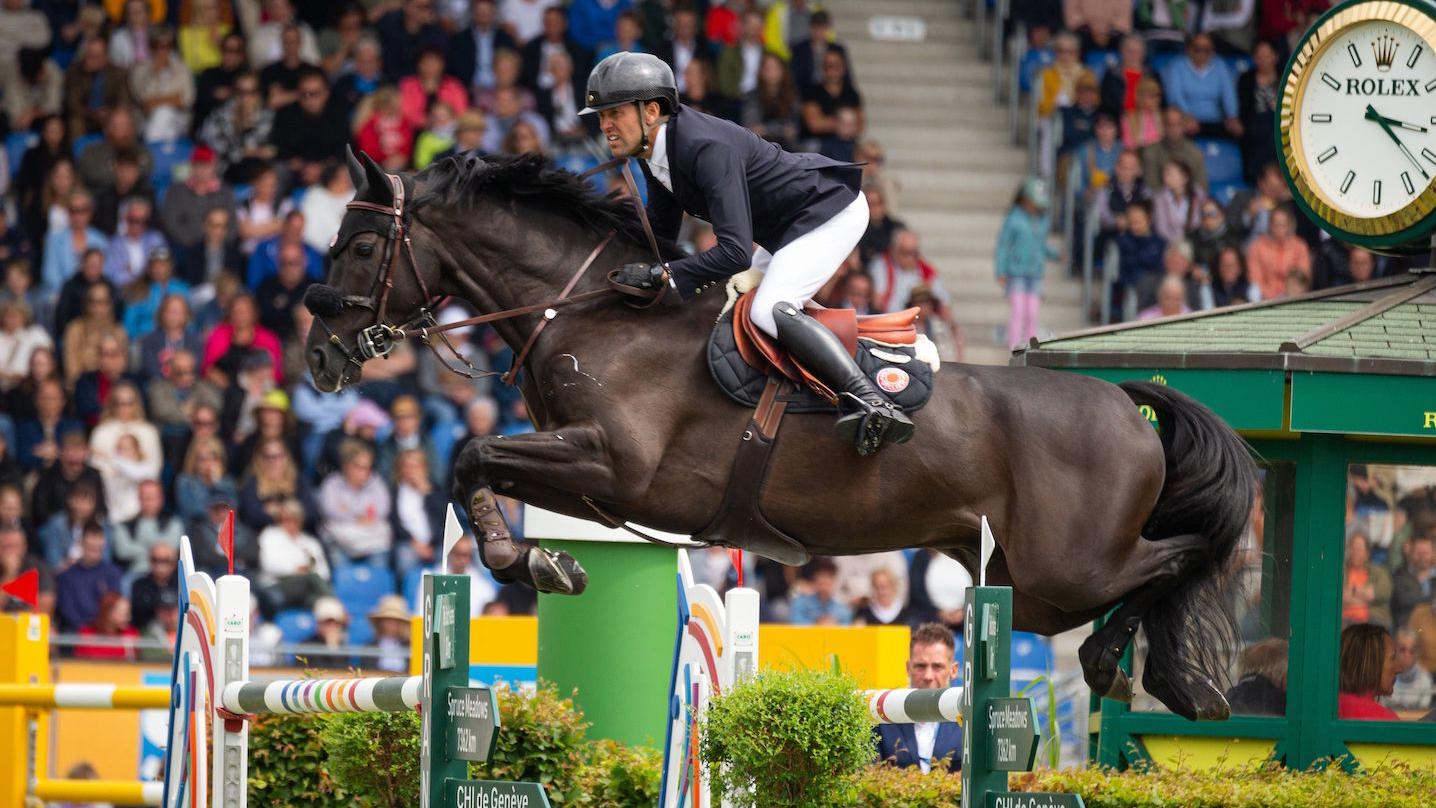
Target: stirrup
{"type": "Point", "coordinates": [869, 427]}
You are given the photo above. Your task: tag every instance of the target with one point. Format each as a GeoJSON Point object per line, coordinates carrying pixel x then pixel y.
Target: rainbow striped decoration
{"type": "Point", "coordinates": [906, 705]}
{"type": "Point", "coordinates": [388, 694]}
{"type": "Point", "coordinates": [716, 646]}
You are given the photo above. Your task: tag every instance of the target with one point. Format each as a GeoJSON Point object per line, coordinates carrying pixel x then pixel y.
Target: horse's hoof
{"type": "Point", "coordinates": [556, 573]}
{"type": "Point", "coordinates": [1120, 689]}
{"type": "Point", "coordinates": [1211, 705]}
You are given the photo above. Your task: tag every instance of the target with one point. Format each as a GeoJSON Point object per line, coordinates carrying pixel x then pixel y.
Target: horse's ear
{"type": "Point", "coordinates": [356, 171]}
{"type": "Point", "coordinates": [377, 187]}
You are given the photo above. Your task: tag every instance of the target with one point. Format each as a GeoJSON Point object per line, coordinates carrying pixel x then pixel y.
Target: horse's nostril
{"type": "Point", "coordinates": [320, 357]}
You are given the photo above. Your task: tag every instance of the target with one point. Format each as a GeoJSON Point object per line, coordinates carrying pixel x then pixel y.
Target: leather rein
{"type": "Point", "coordinates": [380, 338]}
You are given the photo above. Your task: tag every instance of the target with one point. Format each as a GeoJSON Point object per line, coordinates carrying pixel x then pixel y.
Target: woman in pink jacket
{"type": "Point", "coordinates": [429, 84]}
{"type": "Point", "coordinates": [1278, 254]}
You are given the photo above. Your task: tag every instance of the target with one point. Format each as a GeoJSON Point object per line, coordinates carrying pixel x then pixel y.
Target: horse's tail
{"type": "Point", "coordinates": [1210, 484]}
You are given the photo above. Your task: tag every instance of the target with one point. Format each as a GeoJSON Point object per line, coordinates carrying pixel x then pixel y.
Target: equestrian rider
{"type": "Point", "coordinates": [805, 212]}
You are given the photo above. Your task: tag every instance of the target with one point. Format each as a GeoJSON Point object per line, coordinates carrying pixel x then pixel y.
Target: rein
{"type": "Point", "coordinates": [381, 338]}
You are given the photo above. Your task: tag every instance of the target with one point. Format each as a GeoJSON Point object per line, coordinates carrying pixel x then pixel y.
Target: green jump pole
{"type": "Point", "coordinates": [614, 643]}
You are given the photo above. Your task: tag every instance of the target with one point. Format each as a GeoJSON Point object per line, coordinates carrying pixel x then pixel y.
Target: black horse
{"type": "Point", "coordinates": [1093, 509]}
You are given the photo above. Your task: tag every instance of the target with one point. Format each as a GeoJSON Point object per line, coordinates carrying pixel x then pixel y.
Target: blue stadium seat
{"type": "Point", "coordinates": [1032, 63]}
{"type": "Point", "coordinates": [1223, 192]}
{"type": "Point", "coordinates": [82, 141]}
{"type": "Point", "coordinates": [1031, 657]}
{"type": "Point", "coordinates": [168, 155]}
{"type": "Point", "coordinates": [16, 144]}
{"type": "Point", "coordinates": [1099, 62]}
{"type": "Point", "coordinates": [1238, 64]}
{"type": "Point", "coordinates": [296, 625]}
{"type": "Point", "coordinates": [1223, 160]}
{"type": "Point", "coordinates": [359, 587]}
{"type": "Point", "coordinates": [412, 584]}
{"type": "Point", "coordinates": [361, 631]}
{"type": "Point", "coordinates": [1160, 61]}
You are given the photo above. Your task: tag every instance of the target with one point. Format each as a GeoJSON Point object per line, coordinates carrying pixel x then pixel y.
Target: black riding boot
{"type": "Point", "coordinates": [869, 419]}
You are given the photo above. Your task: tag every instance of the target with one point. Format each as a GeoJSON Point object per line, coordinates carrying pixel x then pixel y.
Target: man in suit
{"type": "Point", "coordinates": [804, 211]}
{"type": "Point", "coordinates": [931, 663]}
{"type": "Point", "coordinates": [470, 55]}
{"type": "Point", "coordinates": [536, 53]}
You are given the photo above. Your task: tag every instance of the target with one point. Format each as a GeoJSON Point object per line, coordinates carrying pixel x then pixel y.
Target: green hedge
{"type": "Point", "coordinates": [790, 739]}
{"type": "Point", "coordinates": [302, 761]}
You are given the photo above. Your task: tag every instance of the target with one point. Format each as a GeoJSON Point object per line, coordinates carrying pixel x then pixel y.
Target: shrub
{"type": "Point", "coordinates": [787, 738]}
{"type": "Point", "coordinates": [886, 786]}
{"type": "Point", "coordinates": [376, 756]}
{"type": "Point", "coordinates": [1387, 786]}
{"type": "Point", "coordinates": [287, 765]}
{"type": "Point", "coordinates": [617, 776]}
{"type": "Point", "coordinates": [541, 740]}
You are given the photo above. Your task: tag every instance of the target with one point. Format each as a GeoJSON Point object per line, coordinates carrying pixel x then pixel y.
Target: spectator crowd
{"type": "Point", "coordinates": [171, 180]}
{"type": "Point", "coordinates": [1161, 115]}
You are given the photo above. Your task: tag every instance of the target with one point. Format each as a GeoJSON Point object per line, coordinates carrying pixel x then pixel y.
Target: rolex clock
{"type": "Point", "coordinates": [1356, 125]}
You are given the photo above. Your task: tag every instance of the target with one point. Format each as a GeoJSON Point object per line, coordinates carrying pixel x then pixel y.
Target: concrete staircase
{"type": "Point", "coordinates": [931, 105]}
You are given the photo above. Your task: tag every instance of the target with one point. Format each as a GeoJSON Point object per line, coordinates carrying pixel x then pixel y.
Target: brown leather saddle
{"type": "Point", "coordinates": [762, 352]}
{"type": "Point", "coordinates": [740, 521]}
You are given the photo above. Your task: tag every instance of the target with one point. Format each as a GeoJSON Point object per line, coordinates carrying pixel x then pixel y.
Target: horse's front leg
{"type": "Point", "coordinates": [574, 459]}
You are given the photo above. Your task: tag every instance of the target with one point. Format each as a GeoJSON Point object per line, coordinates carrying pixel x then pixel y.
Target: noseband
{"type": "Point", "coordinates": [379, 339]}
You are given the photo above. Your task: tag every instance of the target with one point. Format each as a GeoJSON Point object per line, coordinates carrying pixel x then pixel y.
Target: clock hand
{"type": "Point", "coordinates": [1371, 115]}
{"type": "Point", "coordinates": [1410, 127]}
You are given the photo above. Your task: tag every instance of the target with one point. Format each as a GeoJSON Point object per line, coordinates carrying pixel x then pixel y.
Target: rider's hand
{"type": "Point", "coordinates": [642, 276]}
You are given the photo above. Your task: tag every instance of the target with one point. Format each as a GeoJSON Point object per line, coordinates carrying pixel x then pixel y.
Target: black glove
{"type": "Point", "coordinates": [642, 276]}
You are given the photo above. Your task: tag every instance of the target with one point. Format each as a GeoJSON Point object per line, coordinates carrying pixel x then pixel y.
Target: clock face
{"type": "Point", "coordinates": [1367, 120]}
{"type": "Point", "coordinates": [1358, 121]}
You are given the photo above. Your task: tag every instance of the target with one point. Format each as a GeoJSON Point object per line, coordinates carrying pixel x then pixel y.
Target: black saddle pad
{"type": "Point", "coordinates": [895, 370]}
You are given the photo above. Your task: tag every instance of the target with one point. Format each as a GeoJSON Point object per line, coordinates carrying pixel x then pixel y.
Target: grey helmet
{"type": "Point", "coordinates": [625, 78]}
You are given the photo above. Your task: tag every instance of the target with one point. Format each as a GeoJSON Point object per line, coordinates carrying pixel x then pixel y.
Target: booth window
{"type": "Point", "coordinates": [1260, 594]}
{"type": "Point", "coordinates": [1387, 653]}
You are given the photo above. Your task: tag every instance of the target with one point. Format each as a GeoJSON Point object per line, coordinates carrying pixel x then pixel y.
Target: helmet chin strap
{"type": "Point", "coordinates": [644, 128]}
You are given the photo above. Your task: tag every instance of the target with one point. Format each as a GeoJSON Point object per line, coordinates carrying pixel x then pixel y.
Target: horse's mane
{"type": "Point", "coordinates": [466, 177]}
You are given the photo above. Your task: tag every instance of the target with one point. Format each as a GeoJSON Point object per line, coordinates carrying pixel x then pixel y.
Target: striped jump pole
{"type": "Point", "coordinates": [385, 694]}
{"type": "Point", "coordinates": [84, 696]}
{"type": "Point", "coordinates": [117, 792]}
{"type": "Point", "coordinates": [906, 705]}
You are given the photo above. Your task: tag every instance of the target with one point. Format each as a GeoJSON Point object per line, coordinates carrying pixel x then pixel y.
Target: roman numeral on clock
{"type": "Point", "coordinates": [1406, 182]}
{"type": "Point", "coordinates": [1346, 183]}
{"type": "Point", "coordinates": [1326, 155]}
{"type": "Point", "coordinates": [1330, 82]}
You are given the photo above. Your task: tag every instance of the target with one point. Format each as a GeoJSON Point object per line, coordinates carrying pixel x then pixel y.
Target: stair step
{"type": "Point", "coordinates": [890, 93]}
{"type": "Point", "coordinates": [853, 9]}
{"type": "Point", "coordinates": [906, 71]}
{"type": "Point", "coordinates": [896, 136]}
{"type": "Point", "coordinates": [853, 28]}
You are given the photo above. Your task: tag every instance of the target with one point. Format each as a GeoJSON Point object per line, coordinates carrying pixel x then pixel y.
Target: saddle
{"type": "Point", "coordinates": [763, 353]}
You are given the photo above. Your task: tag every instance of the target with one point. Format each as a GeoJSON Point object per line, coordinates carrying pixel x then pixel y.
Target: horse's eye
{"type": "Point", "coordinates": [364, 249]}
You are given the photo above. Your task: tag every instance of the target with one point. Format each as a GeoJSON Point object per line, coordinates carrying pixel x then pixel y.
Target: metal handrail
{"type": "Point", "coordinates": [1018, 44]}
{"type": "Point", "coordinates": [1089, 246]}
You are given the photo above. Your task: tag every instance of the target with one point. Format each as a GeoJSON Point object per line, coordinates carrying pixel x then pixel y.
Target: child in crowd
{"type": "Point", "coordinates": [1139, 255]}
{"type": "Point", "coordinates": [1022, 255]}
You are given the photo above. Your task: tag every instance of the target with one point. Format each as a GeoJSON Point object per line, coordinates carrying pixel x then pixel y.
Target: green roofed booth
{"type": "Point", "coordinates": [1336, 392]}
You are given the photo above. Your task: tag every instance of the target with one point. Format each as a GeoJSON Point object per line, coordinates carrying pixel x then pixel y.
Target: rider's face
{"type": "Point", "coordinates": [621, 129]}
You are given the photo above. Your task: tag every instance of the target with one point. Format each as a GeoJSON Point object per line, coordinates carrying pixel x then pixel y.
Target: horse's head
{"type": "Point", "coordinates": [379, 278]}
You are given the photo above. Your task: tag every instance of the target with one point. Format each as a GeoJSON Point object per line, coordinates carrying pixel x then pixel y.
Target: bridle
{"type": "Point", "coordinates": [380, 338]}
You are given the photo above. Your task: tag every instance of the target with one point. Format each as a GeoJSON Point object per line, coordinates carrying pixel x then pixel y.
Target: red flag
{"type": "Point", "coordinates": [226, 540]}
{"type": "Point", "coordinates": [26, 587]}
{"type": "Point", "coordinates": [736, 556]}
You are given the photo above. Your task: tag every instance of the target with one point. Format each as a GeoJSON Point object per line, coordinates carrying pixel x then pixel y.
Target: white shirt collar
{"type": "Point", "coordinates": [658, 163]}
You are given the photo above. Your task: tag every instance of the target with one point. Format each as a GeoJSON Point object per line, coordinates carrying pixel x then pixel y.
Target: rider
{"type": "Point", "coordinates": [804, 211]}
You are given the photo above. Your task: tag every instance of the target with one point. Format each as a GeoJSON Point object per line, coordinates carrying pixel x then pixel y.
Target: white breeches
{"type": "Point", "coordinates": [797, 271]}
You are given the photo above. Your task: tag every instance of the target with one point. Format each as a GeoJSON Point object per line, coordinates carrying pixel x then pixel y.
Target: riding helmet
{"type": "Point", "coordinates": [625, 77]}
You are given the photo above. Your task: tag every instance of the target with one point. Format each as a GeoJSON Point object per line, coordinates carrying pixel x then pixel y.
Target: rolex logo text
{"type": "Point", "coordinates": [1382, 87]}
